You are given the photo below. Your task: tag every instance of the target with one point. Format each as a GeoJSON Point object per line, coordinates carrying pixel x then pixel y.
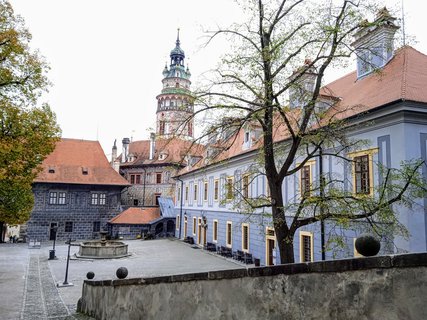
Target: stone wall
{"type": "Point", "coordinates": [76, 209]}
{"type": "Point", "coordinates": [385, 287]}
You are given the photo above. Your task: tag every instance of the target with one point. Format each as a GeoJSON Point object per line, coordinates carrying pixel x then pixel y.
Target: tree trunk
{"type": "Point", "coordinates": [284, 236]}
{"type": "Point", "coordinates": [285, 241]}
{"type": "Point", "coordinates": [2, 232]}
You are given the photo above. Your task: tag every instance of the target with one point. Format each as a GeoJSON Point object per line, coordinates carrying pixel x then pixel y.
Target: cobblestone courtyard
{"type": "Point", "coordinates": [28, 280]}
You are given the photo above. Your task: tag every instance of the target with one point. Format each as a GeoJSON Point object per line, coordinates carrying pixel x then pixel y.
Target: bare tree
{"type": "Point", "coordinates": [272, 80]}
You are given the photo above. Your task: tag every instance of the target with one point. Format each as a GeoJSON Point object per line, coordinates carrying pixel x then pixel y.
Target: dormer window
{"type": "Point", "coordinates": [162, 156]}
{"type": "Point", "coordinates": [51, 170]}
{"type": "Point", "coordinates": [247, 134]}
{"type": "Point", "coordinates": [85, 171]}
{"type": "Point", "coordinates": [374, 43]}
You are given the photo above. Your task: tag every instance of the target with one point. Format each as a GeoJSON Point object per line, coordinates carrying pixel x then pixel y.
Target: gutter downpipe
{"type": "Point", "coordinates": [180, 209]}
{"type": "Point", "coordinates": [143, 186]}
{"type": "Point", "coordinates": [322, 194]}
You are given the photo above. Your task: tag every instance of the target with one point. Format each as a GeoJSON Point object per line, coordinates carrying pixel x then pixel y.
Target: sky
{"type": "Point", "coordinates": [107, 57]}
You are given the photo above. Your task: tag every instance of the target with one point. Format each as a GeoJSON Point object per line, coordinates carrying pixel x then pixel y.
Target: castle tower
{"type": "Point", "coordinates": [175, 103]}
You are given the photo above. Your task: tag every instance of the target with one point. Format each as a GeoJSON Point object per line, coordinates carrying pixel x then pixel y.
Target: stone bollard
{"type": "Point", "coordinates": [367, 245]}
{"type": "Point", "coordinates": [122, 272]}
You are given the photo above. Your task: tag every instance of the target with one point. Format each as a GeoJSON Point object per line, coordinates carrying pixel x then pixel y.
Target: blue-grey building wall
{"type": "Point", "coordinates": [392, 133]}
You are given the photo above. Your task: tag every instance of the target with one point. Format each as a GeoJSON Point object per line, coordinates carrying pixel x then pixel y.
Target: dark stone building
{"type": "Point", "coordinates": [77, 191]}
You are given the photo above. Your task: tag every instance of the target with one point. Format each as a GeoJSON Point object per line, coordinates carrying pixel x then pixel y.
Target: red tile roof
{"type": "Point", "coordinates": [136, 216]}
{"type": "Point", "coordinates": [404, 77]}
{"type": "Point", "coordinates": [174, 149]}
{"type": "Point", "coordinates": [79, 162]}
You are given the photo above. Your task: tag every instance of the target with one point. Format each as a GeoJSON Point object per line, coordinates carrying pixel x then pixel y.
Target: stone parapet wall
{"type": "Point", "coordinates": [385, 287]}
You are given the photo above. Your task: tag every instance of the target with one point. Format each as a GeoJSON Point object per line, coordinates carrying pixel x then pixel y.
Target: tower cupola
{"type": "Point", "coordinates": [175, 108]}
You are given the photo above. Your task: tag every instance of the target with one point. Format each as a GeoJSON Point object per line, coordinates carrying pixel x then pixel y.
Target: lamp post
{"type": "Point", "coordinates": [52, 256]}
{"type": "Point", "coordinates": [66, 283]}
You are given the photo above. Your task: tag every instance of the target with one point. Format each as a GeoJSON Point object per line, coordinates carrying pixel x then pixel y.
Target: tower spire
{"type": "Point", "coordinates": [177, 38]}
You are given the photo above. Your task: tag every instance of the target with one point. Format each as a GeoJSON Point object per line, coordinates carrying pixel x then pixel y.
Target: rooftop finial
{"type": "Point", "coordinates": [177, 38]}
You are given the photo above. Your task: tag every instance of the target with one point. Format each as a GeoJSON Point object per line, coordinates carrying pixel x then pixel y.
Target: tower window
{"type": "Point", "coordinates": [162, 127]}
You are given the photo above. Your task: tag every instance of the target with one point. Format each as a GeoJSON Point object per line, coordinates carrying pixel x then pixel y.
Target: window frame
{"type": "Point", "coordinates": [194, 225]}
{"type": "Point", "coordinates": [96, 226]}
{"type": "Point", "coordinates": [205, 191]}
{"type": "Point", "coordinates": [310, 164]}
{"type": "Point", "coordinates": [158, 178]}
{"type": "Point", "coordinates": [246, 186]}
{"type": "Point", "coordinates": [215, 230]}
{"type": "Point", "coordinates": [62, 198]}
{"type": "Point", "coordinates": [178, 222]}
{"type": "Point", "coordinates": [302, 235]}
{"type": "Point", "coordinates": [196, 191]}
{"type": "Point", "coordinates": [370, 153]}
{"type": "Point", "coordinates": [57, 198]}
{"type": "Point", "coordinates": [216, 190]}
{"type": "Point", "coordinates": [67, 227]}
{"type": "Point", "coordinates": [229, 188]}
{"type": "Point", "coordinates": [229, 234]}
{"type": "Point", "coordinates": [245, 243]}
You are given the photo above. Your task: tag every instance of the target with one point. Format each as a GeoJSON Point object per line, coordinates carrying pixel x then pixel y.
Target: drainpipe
{"type": "Point", "coordinates": [143, 186]}
{"type": "Point", "coordinates": [180, 209]}
{"type": "Point", "coordinates": [322, 195]}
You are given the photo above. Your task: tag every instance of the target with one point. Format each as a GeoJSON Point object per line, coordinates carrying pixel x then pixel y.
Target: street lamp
{"type": "Point", "coordinates": [52, 256]}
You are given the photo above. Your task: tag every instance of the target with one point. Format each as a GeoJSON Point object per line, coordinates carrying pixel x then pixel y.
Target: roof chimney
{"type": "Point", "coordinates": [152, 145]}
{"type": "Point", "coordinates": [374, 43]}
{"type": "Point", "coordinates": [125, 149]}
{"type": "Point", "coordinates": [302, 88]}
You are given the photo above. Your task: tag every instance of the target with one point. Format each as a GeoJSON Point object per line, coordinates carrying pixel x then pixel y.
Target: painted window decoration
{"type": "Point", "coordinates": [229, 188]}
{"type": "Point", "coordinates": [361, 174]}
{"type": "Point", "coordinates": [216, 190]}
{"type": "Point", "coordinates": [245, 186]}
{"type": "Point", "coordinates": [205, 191]}
{"type": "Point", "coordinates": [306, 246]}
{"type": "Point", "coordinates": [68, 226]}
{"type": "Point", "coordinates": [194, 225]}
{"type": "Point", "coordinates": [196, 190]}
{"type": "Point", "coordinates": [305, 181]}
{"type": "Point", "coordinates": [229, 235]}
{"type": "Point", "coordinates": [215, 231]}
{"type": "Point", "coordinates": [245, 237]}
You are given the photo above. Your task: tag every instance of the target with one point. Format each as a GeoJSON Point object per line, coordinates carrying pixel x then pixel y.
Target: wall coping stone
{"type": "Point", "coordinates": [342, 265]}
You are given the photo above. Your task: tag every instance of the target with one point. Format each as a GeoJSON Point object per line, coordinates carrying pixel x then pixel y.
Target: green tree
{"type": "Point", "coordinates": [28, 132]}
{"type": "Point", "coordinates": [269, 58]}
